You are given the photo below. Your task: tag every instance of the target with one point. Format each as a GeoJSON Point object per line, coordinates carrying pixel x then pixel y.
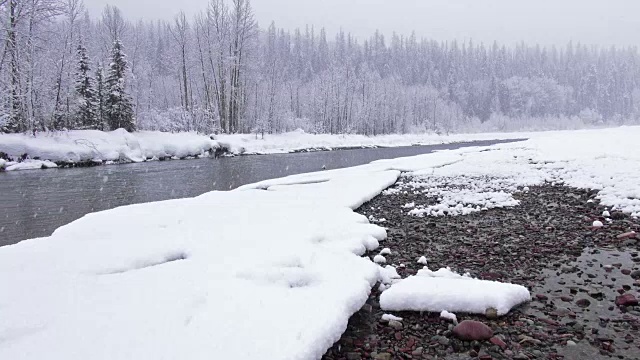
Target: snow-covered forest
{"type": "Point", "coordinates": [221, 71]}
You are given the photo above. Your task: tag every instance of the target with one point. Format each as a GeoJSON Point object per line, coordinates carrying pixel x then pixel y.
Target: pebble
{"type": "Point", "coordinates": [417, 352]}
{"type": "Point", "coordinates": [491, 313]}
{"type": "Point", "coordinates": [395, 324]}
{"type": "Point", "coordinates": [583, 303]}
{"type": "Point", "coordinates": [571, 343]}
{"type": "Point", "coordinates": [353, 356]}
{"type": "Point", "coordinates": [469, 330]}
{"type": "Point", "coordinates": [499, 342]}
{"type": "Point", "coordinates": [382, 356]}
{"type": "Point", "coordinates": [626, 300]}
{"type": "Point", "coordinates": [635, 274]}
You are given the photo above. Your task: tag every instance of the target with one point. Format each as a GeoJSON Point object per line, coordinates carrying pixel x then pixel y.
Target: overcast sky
{"type": "Point", "coordinates": [601, 22]}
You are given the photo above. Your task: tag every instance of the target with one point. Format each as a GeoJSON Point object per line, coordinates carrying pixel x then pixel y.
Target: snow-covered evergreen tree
{"type": "Point", "coordinates": [118, 109]}
{"type": "Point", "coordinates": [85, 113]}
{"type": "Point", "coordinates": [101, 98]}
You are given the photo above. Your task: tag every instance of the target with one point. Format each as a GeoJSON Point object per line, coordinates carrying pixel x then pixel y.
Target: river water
{"type": "Point", "coordinates": [34, 203]}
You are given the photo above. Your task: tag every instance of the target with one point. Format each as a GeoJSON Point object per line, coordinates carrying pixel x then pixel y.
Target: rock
{"type": "Point", "coordinates": [625, 271]}
{"type": "Point", "coordinates": [497, 341]}
{"type": "Point", "coordinates": [470, 330]}
{"type": "Point", "coordinates": [626, 300]}
{"type": "Point", "coordinates": [367, 308]}
{"type": "Point", "coordinates": [571, 343]}
{"type": "Point", "coordinates": [382, 356]}
{"type": "Point", "coordinates": [542, 297]}
{"type": "Point", "coordinates": [353, 356]}
{"type": "Point", "coordinates": [417, 351]}
{"type": "Point", "coordinates": [583, 303]}
{"type": "Point", "coordinates": [627, 235]}
{"type": "Point", "coordinates": [491, 313]}
{"type": "Point", "coordinates": [395, 324]}
{"type": "Point", "coordinates": [635, 274]}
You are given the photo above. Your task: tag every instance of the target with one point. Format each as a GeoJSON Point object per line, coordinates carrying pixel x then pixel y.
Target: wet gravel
{"type": "Point", "coordinates": [577, 276]}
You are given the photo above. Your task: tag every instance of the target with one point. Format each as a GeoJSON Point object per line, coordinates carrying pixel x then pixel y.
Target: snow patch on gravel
{"type": "Point", "coordinates": [445, 290]}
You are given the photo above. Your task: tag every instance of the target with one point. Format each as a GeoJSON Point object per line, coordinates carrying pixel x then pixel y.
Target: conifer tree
{"type": "Point", "coordinates": [101, 98]}
{"type": "Point", "coordinates": [118, 106]}
{"type": "Point", "coordinates": [85, 93]}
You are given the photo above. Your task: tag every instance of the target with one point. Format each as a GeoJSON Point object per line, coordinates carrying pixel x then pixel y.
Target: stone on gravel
{"type": "Point", "coordinates": [470, 330]}
{"type": "Point", "coordinates": [395, 324]}
{"type": "Point", "coordinates": [491, 313]}
{"type": "Point", "coordinates": [583, 303]}
{"type": "Point", "coordinates": [499, 342]}
{"type": "Point", "coordinates": [353, 356]}
{"type": "Point", "coordinates": [382, 356]}
{"type": "Point", "coordinates": [626, 300]}
{"type": "Point", "coordinates": [542, 297]}
{"type": "Point", "coordinates": [627, 235]}
{"type": "Point", "coordinates": [635, 274]}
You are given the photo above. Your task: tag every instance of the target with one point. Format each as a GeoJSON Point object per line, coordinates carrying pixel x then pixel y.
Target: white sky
{"type": "Point", "coordinates": [601, 22]}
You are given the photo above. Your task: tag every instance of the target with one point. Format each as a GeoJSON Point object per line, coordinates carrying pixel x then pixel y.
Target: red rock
{"type": "Point", "coordinates": [627, 235]}
{"type": "Point", "coordinates": [626, 271]}
{"type": "Point", "coordinates": [470, 330]}
{"type": "Point", "coordinates": [550, 322]}
{"type": "Point", "coordinates": [626, 300]}
{"type": "Point", "coordinates": [497, 341]}
{"type": "Point", "coordinates": [542, 297]}
{"type": "Point", "coordinates": [398, 335]}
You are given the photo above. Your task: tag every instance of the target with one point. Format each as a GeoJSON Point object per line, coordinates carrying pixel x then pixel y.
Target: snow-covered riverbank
{"type": "Point", "coordinates": [301, 141]}
{"type": "Point", "coordinates": [255, 274]}
{"type": "Point", "coordinates": [90, 147]}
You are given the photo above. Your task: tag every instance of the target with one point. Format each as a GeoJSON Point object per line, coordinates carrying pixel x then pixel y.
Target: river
{"type": "Point", "coordinates": [36, 202]}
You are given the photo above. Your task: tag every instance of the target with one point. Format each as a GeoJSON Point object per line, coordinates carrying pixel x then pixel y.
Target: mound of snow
{"type": "Point", "coordinates": [444, 290]}
{"type": "Point", "coordinates": [30, 165]}
{"type": "Point", "coordinates": [379, 259]}
{"type": "Point", "coordinates": [449, 316]}
{"type": "Point", "coordinates": [389, 317]}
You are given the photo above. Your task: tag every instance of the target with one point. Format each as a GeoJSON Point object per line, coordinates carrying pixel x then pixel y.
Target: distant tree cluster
{"type": "Point", "coordinates": [220, 72]}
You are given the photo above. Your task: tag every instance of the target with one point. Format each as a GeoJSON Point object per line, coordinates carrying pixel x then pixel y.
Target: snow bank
{"type": "Point", "coordinates": [29, 165]}
{"type": "Point", "coordinates": [92, 145]}
{"type": "Point", "coordinates": [247, 274]}
{"type": "Point", "coordinates": [446, 291]}
{"type": "Point", "coordinates": [299, 141]}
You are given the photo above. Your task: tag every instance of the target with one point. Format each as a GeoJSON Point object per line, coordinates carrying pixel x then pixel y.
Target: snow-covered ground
{"type": "Point", "coordinates": [119, 146]}
{"type": "Point", "coordinates": [268, 271]}
{"type": "Point", "coordinates": [299, 140]}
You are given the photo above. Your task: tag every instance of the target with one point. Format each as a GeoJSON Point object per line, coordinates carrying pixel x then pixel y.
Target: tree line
{"type": "Point", "coordinates": [220, 72]}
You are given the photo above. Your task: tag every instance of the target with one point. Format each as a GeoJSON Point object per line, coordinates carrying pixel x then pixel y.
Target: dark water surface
{"type": "Point", "coordinates": [33, 203]}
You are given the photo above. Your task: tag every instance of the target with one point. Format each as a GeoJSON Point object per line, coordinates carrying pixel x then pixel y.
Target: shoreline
{"type": "Point", "coordinates": [574, 272]}
{"type": "Point", "coordinates": [226, 151]}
